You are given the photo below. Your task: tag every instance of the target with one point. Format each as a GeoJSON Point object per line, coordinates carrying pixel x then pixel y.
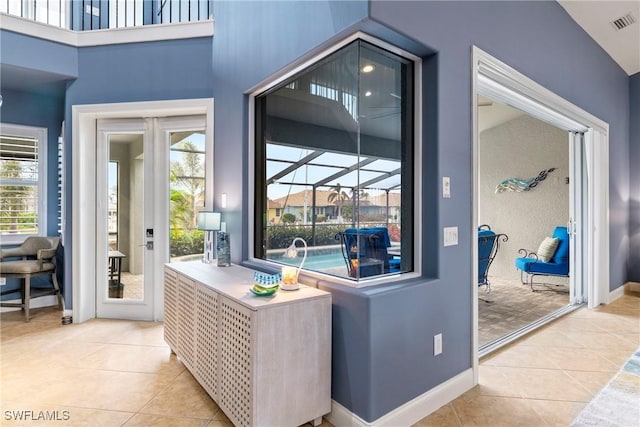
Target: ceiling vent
{"type": "Point", "coordinates": [623, 21]}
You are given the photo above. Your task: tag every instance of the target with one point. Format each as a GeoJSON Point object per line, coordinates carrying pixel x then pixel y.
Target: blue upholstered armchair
{"type": "Point", "coordinates": [532, 264]}
{"type": "Point", "coordinates": [365, 252]}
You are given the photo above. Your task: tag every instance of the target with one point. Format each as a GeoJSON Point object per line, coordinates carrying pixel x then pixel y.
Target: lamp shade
{"type": "Point", "coordinates": [209, 221]}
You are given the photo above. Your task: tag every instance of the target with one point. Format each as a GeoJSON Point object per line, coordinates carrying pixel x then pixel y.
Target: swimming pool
{"type": "Point", "coordinates": [316, 262]}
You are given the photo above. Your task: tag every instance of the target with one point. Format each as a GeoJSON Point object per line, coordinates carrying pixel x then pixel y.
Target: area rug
{"type": "Point", "coordinates": [618, 403]}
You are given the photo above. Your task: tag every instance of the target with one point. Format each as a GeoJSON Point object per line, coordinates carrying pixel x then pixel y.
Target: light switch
{"type": "Point", "coordinates": [446, 187]}
{"type": "Point", "coordinates": [450, 236]}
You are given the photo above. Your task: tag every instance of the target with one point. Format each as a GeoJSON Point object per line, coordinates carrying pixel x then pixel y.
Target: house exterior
{"type": "Point", "coordinates": [382, 349]}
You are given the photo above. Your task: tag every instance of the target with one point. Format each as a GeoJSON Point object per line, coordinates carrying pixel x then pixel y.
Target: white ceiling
{"type": "Point", "coordinates": [595, 18]}
{"type": "Point", "coordinates": [492, 113]}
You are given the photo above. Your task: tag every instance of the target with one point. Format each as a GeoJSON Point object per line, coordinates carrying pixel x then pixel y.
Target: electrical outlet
{"type": "Point", "coordinates": [437, 344]}
{"type": "Point", "coordinates": [3, 281]}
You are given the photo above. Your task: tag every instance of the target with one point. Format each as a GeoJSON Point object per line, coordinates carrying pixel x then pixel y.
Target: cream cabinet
{"type": "Point", "coordinates": [266, 361]}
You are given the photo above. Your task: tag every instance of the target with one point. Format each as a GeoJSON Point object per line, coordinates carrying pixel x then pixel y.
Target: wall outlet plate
{"type": "Point", "coordinates": [437, 344]}
{"type": "Point", "coordinates": [450, 236]}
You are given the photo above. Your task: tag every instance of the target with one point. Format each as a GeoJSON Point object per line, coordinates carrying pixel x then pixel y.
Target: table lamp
{"type": "Point", "coordinates": [290, 274]}
{"type": "Point", "coordinates": [209, 222]}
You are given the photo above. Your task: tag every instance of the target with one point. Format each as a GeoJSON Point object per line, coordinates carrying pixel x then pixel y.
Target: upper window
{"type": "Point", "coordinates": [334, 153]}
{"type": "Point", "coordinates": [22, 182]}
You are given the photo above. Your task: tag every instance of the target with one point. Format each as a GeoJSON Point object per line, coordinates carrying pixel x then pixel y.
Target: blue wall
{"type": "Point", "coordinates": [30, 109]}
{"type": "Point", "coordinates": [382, 345]}
{"type": "Point", "coordinates": [634, 179]}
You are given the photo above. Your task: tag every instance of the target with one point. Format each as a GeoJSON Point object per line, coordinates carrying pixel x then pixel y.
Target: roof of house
{"type": "Point", "coordinates": [322, 199]}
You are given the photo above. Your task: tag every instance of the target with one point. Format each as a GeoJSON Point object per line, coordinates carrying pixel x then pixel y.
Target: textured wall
{"type": "Point", "coordinates": [522, 148]}
{"type": "Point", "coordinates": [634, 179]}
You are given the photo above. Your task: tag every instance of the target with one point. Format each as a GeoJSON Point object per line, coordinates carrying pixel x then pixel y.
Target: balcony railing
{"type": "Point", "coordinates": [82, 15]}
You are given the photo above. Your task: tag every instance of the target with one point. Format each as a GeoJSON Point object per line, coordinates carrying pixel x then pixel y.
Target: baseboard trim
{"type": "Point", "coordinates": [633, 286]}
{"type": "Point", "coordinates": [39, 302]}
{"type": "Point", "coordinates": [616, 293]}
{"type": "Point", "coordinates": [410, 412]}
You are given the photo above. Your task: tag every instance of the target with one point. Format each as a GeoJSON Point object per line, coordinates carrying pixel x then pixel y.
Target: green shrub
{"type": "Point", "coordinates": [281, 236]}
{"type": "Point", "coordinates": [288, 218]}
{"type": "Point", "coordinates": [186, 242]}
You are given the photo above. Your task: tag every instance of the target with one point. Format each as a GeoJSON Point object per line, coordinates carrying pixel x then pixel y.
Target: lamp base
{"type": "Point", "coordinates": [294, 287]}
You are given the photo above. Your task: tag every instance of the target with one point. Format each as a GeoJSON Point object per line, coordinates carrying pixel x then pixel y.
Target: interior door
{"type": "Point", "coordinates": [578, 216]}
{"type": "Point", "coordinates": [125, 219]}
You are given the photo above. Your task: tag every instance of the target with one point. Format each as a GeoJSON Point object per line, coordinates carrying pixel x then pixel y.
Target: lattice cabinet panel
{"type": "Point", "coordinates": [171, 308]}
{"type": "Point", "coordinates": [248, 352]}
{"type": "Point", "coordinates": [236, 362]}
{"type": "Point", "coordinates": [207, 339]}
{"type": "Point", "coordinates": [187, 321]}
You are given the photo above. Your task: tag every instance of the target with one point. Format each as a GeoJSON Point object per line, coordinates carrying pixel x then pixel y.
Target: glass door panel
{"type": "Point", "coordinates": [126, 207]}
{"type": "Point", "coordinates": [186, 194]}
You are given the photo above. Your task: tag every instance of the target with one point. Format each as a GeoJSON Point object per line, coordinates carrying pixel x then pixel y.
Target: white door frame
{"type": "Point", "coordinates": [503, 83]}
{"type": "Point", "coordinates": [84, 141]}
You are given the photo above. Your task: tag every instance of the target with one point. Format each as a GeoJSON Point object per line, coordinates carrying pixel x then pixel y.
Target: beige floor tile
{"type": "Point", "coordinates": [549, 384]}
{"type": "Point", "coordinates": [120, 391]}
{"type": "Point", "coordinates": [493, 381]}
{"type": "Point", "coordinates": [593, 382]}
{"type": "Point", "coordinates": [557, 413]}
{"type": "Point", "coordinates": [149, 420]}
{"type": "Point", "coordinates": [443, 417]}
{"type": "Point", "coordinates": [184, 397]}
{"type": "Point", "coordinates": [14, 414]}
{"type": "Point", "coordinates": [522, 356]}
{"type": "Point", "coordinates": [134, 358]}
{"type": "Point", "coordinates": [580, 360]}
{"type": "Point", "coordinates": [221, 416]}
{"type": "Point", "coordinates": [573, 325]}
{"type": "Point", "coordinates": [496, 412]}
{"type": "Point", "coordinates": [551, 338]}
{"type": "Point", "coordinates": [218, 423]}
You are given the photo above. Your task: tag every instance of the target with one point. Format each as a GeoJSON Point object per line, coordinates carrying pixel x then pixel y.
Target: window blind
{"type": "Point", "coordinates": [19, 185]}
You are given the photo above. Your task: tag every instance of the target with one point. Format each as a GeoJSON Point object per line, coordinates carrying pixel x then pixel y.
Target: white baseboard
{"type": "Point", "coordinates": [633, 286]}
{"type": "Point", "coordinates": [39, 302]}
{"type": "Point", "coordinates": [616, 293]}
{"type": "Point", "coordinates": [410, 412]}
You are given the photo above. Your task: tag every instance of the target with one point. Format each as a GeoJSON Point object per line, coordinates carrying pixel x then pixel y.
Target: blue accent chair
{"type": "Point", "coordinates": [394, 261]}
{"type": "Point", "coordinates": [530, 266]}
{"type": "Point", "coordinates": [488, 246]}
{"type": "Point", "coordinates": [365, 251]}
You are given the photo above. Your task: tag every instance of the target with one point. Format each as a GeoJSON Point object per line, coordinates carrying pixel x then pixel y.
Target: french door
{"type": "Point", "coordinates": [150, 182]}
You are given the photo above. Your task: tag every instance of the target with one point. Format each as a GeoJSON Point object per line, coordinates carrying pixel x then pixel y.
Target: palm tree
{"type": "Point", "coordinates": [338, 196]}
{"type": "Point", "coordinates": [187, 175]}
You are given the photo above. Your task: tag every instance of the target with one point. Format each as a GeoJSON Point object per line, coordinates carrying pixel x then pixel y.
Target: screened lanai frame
{"type": "Point", "coordinates": [325, 167]}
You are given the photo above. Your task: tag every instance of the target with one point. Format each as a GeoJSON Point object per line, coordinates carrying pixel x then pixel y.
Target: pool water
{"type": "Point", "coordinates": [316, 262]}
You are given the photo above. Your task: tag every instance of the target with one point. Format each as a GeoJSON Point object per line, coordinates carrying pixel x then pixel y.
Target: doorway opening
{"type": "Point", "coordinates": [523, 196]}
{"type": "Point", "coordinates": [587, 228]}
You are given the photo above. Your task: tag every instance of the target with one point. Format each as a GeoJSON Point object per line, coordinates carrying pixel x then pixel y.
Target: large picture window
{"type": "Point", "coordinates": [22, 182]}
{"type": "Point", "coordinates": [334, 153]}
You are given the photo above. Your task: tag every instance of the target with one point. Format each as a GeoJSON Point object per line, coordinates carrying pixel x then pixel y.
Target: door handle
{"type": "Point", "coordinates": [148, 245]}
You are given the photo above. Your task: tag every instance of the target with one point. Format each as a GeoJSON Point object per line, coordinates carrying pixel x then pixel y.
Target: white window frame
{"type": "Point", "coordinates": [304, 63]}
{"type": "Point", "coordinates": [39, 134]}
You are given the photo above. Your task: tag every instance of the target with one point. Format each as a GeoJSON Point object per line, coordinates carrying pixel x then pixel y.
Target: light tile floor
{"type": "Point", "coordinates": [98, 373]}
{"type": "Point", "coordinates": [546, 378]}
{"type": "Point", "coordinates": [121, 373]}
